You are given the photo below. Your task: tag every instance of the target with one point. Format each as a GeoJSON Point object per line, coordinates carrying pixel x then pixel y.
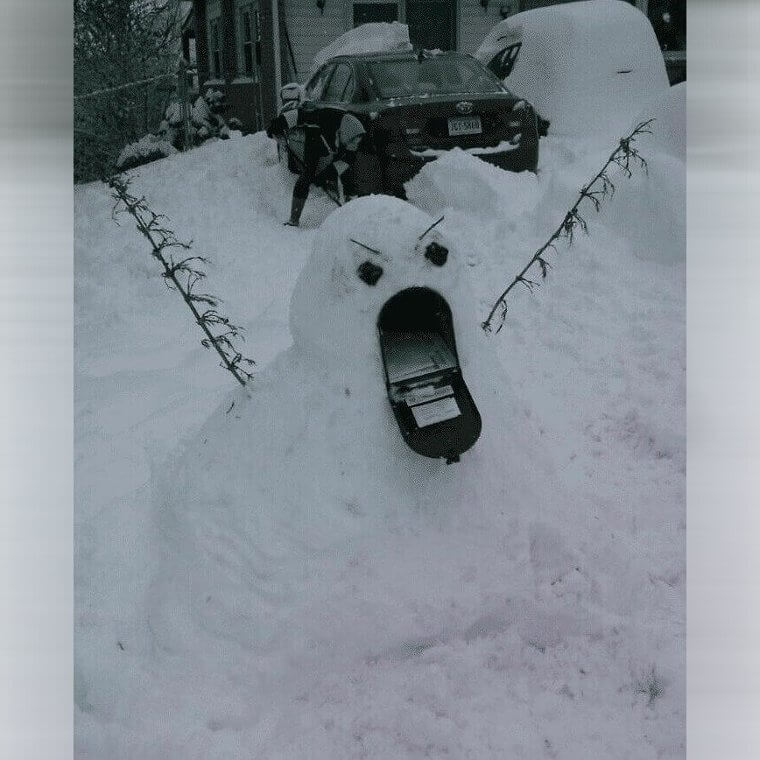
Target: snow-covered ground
{"type": "Point", "coordinates": [270, 573]}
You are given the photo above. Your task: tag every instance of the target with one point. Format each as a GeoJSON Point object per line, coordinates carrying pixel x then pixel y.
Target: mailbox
{"type": "Point", "coordinates": [430, 400]}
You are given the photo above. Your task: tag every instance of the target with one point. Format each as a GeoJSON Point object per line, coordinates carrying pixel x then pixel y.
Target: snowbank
{"type": "Point", "coordinates": [659, 195]}
{"type": "Point", "coordinates": [272, 572]}
{"type": "Point", "coordinates": [378, 37]}
{"type": "Point", "coordinates": [462, 181]}
{"type": "Point", "coordinates": [587, 67]}
{"type": "Point", "coordinates": [668, 109]}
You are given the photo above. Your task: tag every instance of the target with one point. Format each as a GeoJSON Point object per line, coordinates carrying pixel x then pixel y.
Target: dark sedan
{"type": "Point", "coordinates": [413, 107]}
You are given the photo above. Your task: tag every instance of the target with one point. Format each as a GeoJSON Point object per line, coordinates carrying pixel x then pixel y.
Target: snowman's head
{"type": "Point", "coordinates": [364, 254]}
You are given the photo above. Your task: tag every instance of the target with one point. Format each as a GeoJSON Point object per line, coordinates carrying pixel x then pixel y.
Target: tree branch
{"type": "Point", "coordinates": [600, 187]}
{"type": "Point", "coordinates": [161, 239]}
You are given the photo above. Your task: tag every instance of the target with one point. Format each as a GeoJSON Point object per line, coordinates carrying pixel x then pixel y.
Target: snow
{"type": "Point", "coordinates": [147, 148]}
{"type": "Point", "coordinates": [588, 67]}
{"type": "Point", "coordinates": [271, 572]}
{"type": "Point", "coordinates": [668, 130]}
{"type": "Point", "coordinates": [502, 147]}
{"type": "Point", "coordinates": [376, 37]}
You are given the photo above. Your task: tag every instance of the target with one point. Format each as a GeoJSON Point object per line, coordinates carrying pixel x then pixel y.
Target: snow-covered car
{"type": "Point", "coordinates": [587, 67]}
{"type": "Point", "coordinates": [413, 108]}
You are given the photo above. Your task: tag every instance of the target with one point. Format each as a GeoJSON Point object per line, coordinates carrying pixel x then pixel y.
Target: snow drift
{"type": "Point", "coordinates": [271, 572]}
{"type": "Point", "coordinates": [587, 67]}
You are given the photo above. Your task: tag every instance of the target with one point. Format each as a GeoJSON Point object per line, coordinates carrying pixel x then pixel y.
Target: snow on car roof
{"type": "Point", "coordinates": [402, 55]}
{"type": "Point", "coordinates": [370, 38]}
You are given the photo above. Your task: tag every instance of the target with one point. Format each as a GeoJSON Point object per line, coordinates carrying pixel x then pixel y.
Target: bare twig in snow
{"type": "Point", "coordinates": [626, 156]}
{"type": "Point", "coordinates": [183, 275]}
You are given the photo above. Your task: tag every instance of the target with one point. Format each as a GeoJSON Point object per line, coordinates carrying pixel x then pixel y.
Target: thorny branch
{"type": "Point", "coordinates": [434, 224]}
{"type": "Point", "coordinates": [183, 275]}
{"type": "Point", "coordinates": [626, 156]}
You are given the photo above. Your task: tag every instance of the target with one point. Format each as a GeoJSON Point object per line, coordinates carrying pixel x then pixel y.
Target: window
{"type": "Point", "coordinates": [439, 75]}
{"type": "Point", "coordinates": [668, 18]}
{"type": "Point", "coordinates": [367, 12]}
{"type": "Point", "coordinates": [214, 48]}
{"type": "Point", "coordinates": [249, 40]}
{"type": "Point", "coordinates": [341, 87]}
{"type": "Point", "coordinates": [316, 87]}
{"type": "Point", "coordinates": [502, 63]}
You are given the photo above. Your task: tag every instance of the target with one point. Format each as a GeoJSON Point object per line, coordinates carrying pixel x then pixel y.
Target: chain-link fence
{"type": "Point", "coordinates": [109, 118]}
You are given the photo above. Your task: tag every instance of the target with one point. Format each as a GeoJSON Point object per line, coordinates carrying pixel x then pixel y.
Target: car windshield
{"type": "Point", "coordinates": [436, 75]}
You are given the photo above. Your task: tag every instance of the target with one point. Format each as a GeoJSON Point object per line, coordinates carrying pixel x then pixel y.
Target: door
{"type": "Point", "coordinates": [370, 12]}
{"type": "Point", "coordinates": [432, 23]}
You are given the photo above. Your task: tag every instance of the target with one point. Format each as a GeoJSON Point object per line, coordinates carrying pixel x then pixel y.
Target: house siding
{"type": "Point", "coordinates": [475, 23]}
{"type": "Point", "coordinates": [309, 31]}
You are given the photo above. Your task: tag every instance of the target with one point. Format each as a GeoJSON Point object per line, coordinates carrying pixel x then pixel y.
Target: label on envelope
{"type": "Point", "coordinates": [435, 411]}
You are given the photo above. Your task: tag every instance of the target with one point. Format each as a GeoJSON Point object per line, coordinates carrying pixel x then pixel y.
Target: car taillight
{"type": "Point", "coordinates": [522, 119]}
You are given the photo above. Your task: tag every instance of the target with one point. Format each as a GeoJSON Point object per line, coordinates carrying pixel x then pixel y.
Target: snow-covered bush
{"type": "Point", "coordinates": [205, 121]}
{"type": "Point", "coordinates": [146, 149]}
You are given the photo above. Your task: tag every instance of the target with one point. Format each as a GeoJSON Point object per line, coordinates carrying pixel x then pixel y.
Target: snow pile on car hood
{"type": "Point", "coordinates": [587, 67]}
{"type": "Point", "coordinates": [378, 37]}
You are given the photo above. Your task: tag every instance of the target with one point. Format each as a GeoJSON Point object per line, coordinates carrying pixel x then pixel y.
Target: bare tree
{"type": "Point", "coordinates": [125, 53]}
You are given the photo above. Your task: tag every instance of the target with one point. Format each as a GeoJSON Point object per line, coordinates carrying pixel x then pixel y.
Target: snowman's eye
{"type": "Point", "coordinates": [369, 272]}
{"type": "Point", "coordinates": [436, 254]}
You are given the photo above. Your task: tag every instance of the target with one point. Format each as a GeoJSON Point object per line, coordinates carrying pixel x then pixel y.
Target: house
{"type": "Point", "coordinates": [250, 48]}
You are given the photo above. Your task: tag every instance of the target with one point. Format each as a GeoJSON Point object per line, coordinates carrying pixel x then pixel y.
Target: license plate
{"type": "Point", "coordinates": [464, 125]}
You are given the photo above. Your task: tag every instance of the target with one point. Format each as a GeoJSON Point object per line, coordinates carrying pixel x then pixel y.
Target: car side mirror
{"type": "Point", "coordinates": [291, 93]}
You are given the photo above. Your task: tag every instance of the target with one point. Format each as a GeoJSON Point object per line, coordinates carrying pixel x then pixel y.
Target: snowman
{"type": "Point", "coordinates": [320, 448]}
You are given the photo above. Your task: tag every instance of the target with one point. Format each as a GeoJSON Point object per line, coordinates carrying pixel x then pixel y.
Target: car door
{"type": "Point", "coordinates": [346, 93]}
{"type": "Point", "coordinates": [336, 100]}
{"type": "Point", "coordinates": [313, 93]}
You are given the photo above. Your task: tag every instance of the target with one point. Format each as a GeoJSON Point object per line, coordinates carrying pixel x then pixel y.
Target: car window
{"type": "Point", "coordinates": [437, 75]}
{"type": "Point", "coordinates": [341, 87]}
{"type": "Point", "coordinates": [360, 94]}
{"type": "Point", "coordinates": [502, 63]}
{"type": "Point", "coordinates": [315, 89]}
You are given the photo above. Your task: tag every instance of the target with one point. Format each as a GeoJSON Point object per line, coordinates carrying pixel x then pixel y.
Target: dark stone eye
{"type": "Point", "coordinates": [436, 253]}
{"type": "Point", "coordinates": [369, 272]}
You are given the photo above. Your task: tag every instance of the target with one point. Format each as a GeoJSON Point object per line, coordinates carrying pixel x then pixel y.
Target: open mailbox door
{"type": "Point", "coordinates": [432, 405]}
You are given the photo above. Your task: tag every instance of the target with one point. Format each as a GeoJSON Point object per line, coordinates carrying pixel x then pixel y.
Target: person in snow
{"type": "Point", "coordinates": [329, 151]}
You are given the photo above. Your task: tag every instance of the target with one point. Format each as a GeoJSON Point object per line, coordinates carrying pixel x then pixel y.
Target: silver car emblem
{"type": "Point", "coordinates": [464, 107]}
